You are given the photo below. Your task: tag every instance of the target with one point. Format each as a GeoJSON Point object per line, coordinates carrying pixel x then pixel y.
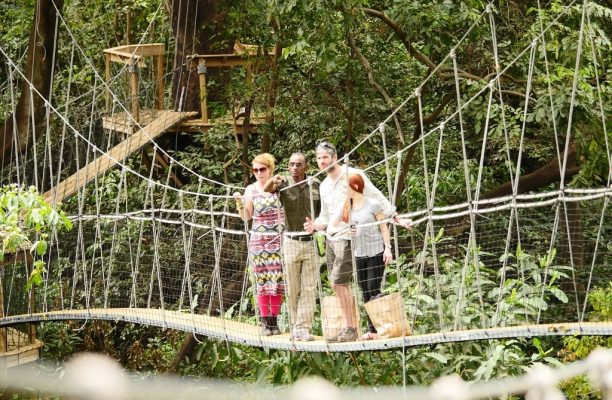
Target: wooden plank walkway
{"type": "Point", "coordinates": [247, 334]}
{"type": "Point", "coordinates": [19, 350]}
{"type": "Point", "coordinates": [164, 121]}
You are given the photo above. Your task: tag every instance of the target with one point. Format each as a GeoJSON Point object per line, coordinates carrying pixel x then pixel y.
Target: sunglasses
{"type": "Point", "coordinates": [260, 170]}
{"type": "Point", "coordinates": [330, 148]}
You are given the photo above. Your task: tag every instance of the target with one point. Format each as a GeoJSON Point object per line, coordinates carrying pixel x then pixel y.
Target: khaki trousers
{"type": "Point", "coordinates": [302, 272]}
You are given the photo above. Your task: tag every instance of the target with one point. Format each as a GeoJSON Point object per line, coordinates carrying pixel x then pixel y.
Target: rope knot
{"type": "Point", "coordinates": [417, 92]}
{"type": "Point", "coordinates": [453, 53]}
{"type": "Point", "coordinates": [489, 8]}
{"type": "Point", "coordinates": [381, 127]}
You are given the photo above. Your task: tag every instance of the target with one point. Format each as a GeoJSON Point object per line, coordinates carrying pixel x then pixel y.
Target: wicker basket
{"type": "Point", "coordinates": [388, 316]}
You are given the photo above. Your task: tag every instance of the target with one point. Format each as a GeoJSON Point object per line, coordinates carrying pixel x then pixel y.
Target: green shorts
{"type": "Point", "coordinates": [339, 261]}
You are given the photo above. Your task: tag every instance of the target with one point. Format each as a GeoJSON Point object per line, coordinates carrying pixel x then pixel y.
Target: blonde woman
{"type": "Point", "coordinates": [268, 217]}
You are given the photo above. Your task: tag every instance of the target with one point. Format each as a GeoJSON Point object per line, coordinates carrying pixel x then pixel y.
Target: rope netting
{"type": "Point", "coordinates": [462, 266]}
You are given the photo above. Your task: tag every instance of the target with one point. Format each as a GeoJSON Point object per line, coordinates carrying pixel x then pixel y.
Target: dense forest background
{"type": "Point", "coordinates": [331, 70]}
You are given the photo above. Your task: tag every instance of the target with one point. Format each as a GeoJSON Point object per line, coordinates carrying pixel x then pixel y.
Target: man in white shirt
{"type": "Point", "coordinates": [334, 191]}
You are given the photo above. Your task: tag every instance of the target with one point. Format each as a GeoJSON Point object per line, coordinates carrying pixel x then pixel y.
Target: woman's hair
{"type": "Point", "coordinates": [266, 159]}
{"type": "Point", "coordinates": [357, 183]}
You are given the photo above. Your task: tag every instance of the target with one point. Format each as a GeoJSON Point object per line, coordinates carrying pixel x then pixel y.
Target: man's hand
{"type": "Point", "coordinates": [403, 222]}
{"type": "Point", "coordinates": [271, 184]}
{"type": "Point", "coordinates": [277, 179]}
{"type": "Point", "coordinates": [309, 225]}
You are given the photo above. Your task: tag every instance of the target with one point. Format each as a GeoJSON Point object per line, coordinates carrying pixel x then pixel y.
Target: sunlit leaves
{"type": "Point", "coordinates": [26, 220]}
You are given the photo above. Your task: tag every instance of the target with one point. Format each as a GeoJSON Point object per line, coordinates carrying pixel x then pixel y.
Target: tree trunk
{"type": "Point", "coordinates": [38, 70]}
{"type": "Point", "coordinates": [274, 81]}
{"type": "Point", "coordinates": [194, 23]}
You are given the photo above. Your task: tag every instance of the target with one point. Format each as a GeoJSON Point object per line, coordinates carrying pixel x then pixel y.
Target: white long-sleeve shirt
{"type": "Point", "coordinates": [333, 196]}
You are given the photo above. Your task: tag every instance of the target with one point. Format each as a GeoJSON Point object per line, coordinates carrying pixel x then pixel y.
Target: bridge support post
{"type": "Point", "coordinates": [203, 94]}
{"type": "Point", "coordinates": [159, 81]}
{"type": "Point", "coordinates": [107, 93]}
{"type": "Point", "coordinates": [135, 108]}
{"type": "Point", "coordinates": [32, 327]}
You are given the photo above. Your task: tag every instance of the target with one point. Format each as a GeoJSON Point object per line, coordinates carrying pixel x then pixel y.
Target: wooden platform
{"type": "Point", "coordinates": [121, 122]}
{"type": "Point", "coordinates": [247, 334]}
{"type": "Point", "coordinates": [19, 350]}
{"type": "Point", "coordinates": [163, 121]}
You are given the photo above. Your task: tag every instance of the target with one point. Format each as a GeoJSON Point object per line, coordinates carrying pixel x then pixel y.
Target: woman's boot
{"type": "Point", "coordinates": [273, 324]}
{"type": "Point", "coordinates": [265, 326]}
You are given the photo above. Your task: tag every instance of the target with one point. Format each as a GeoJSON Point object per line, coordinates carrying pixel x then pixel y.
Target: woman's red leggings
{"type": "Point", "coordinates": [269, 305]}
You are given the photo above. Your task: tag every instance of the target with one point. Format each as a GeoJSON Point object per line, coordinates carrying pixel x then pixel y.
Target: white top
{"type": "Point", "coordinates": [368, 240]}
{"type": "Point", "coordinates": [333, 197]}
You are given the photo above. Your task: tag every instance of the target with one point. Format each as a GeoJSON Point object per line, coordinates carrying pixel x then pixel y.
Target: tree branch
{"type": "Point", "coordinates": [402, 37]}
{"type": "Point", "coordinates": [368, 69]}
{"type": "Point", "coordinates": [545, 175]}
{"type": "Point", "coordinates": [428, 120]}
{"type": "Point", "coordinates": [444, 74]}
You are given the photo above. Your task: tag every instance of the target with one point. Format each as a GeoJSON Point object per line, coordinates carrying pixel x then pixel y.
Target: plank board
{"type": "Point", "coordinates": [121, 122]}
{"type": "Point", "coordinates": [164, 121]}
{"type": "Point", "coordinates": [249, 334]}
{"type": "Point", "coordinates": [20, 350]}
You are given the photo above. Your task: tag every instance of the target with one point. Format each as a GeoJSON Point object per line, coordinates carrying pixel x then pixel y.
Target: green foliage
{"type": "Point", "coordinates": [138, 348]}
{"type": "Point", "coordinates": [601, 301]}
{"type": "Point", "coordinates": [26, 220]}
{"type": "Point", "coordinates": [60, 340]}
{"type": "Point", "coordinates": [575, 348]}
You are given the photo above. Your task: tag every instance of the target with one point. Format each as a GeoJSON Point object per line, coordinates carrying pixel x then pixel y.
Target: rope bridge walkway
{"type": "Point", "coordinates": [248, 334]}
{"type": "Point", "coordinates": [470, 268]}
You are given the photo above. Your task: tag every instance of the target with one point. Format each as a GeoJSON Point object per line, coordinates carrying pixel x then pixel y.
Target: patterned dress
{"type": "Point", "coordinates": [265, 242]}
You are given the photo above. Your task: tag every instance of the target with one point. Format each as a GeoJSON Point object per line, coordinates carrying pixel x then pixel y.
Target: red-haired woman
{"type": "Point", "coordinates": [371, 244]}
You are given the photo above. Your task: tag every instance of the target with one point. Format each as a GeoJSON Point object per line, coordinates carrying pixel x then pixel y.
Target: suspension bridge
{"type": "Point", "coordinates": [518, 265]}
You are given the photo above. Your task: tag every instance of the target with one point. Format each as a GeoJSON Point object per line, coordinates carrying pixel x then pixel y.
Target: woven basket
{"type": "Point", "coordinates": [388, 316]}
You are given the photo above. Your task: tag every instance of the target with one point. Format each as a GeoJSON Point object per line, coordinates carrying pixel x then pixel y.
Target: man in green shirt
{"type": "Point", "coordinates": [300, 198]}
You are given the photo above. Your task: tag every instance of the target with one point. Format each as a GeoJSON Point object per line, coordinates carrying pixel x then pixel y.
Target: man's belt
{"type": "Point", "coordinates": [301, 238]}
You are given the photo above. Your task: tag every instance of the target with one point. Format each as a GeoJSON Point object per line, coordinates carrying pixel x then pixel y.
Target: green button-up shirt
{"type": "Point", "coordinates": [296, 201]}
